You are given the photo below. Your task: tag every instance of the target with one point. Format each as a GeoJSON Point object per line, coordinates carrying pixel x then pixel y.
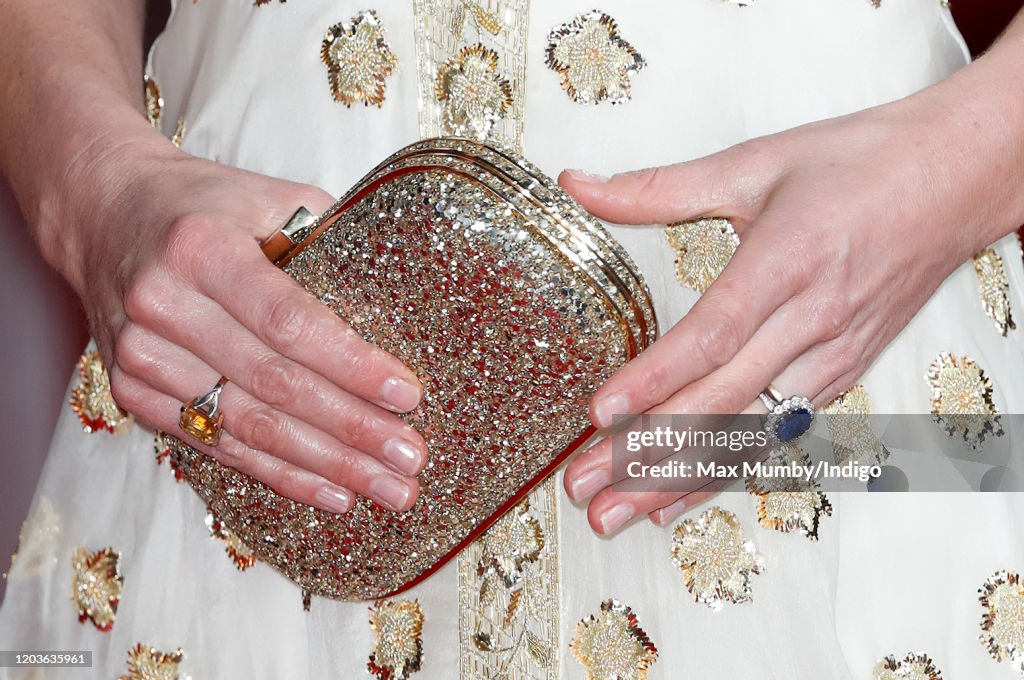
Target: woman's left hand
{"type": "Point", "coordinates": [846, 228]}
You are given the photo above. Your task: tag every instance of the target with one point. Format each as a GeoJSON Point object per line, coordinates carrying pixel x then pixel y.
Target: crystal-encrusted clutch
{"type": "Point", "coordinates": [510, 303]}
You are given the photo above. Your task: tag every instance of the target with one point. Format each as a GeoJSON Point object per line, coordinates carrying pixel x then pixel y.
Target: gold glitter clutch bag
{"type": "Point", "coordinates": [510, 303]}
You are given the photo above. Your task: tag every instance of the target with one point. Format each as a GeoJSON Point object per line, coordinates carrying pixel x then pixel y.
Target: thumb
{"type": "Point", "coordinates": [725, 184]}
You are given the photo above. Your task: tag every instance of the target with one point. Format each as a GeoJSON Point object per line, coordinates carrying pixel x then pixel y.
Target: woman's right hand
{"type": "Point", "coordinates": [179, 293]}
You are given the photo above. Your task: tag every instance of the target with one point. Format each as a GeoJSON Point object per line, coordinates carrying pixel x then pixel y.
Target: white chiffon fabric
{"type": "Point", "coordinates": [891, 574]}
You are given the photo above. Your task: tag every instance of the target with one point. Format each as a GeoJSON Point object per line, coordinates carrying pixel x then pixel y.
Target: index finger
{"type": "Point", "coordinates": [297, 325]}
{"type": "Point", "coordinates": [750, 289]}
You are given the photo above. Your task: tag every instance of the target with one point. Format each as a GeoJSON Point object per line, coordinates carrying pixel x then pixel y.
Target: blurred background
{"type": "Point", "coordinates": [43, 332]}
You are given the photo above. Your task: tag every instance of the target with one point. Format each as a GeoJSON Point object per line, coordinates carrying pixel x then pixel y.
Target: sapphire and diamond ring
{"type": "Point", "coordinates": [788, 419]}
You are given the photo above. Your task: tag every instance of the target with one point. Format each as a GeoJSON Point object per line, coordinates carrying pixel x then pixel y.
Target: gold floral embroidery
{"type": "Point", "coordinates": [446, 27]}
{"type": "Point", "coordinates": [37, 542]}
{"type": "Point", "coordinates": [514, 539]}
{"type": "Point", "coordinates": [849, 422]}
{"type": "Point", "coordinates": [92, 400]}
{"type": "Point", "coordinates": [911, 667]}
{"type": "Point", "coordinates": [147, 663]}
{"type": "Point", "coordinates": [358, 60]}
{"type": "Point", "coordinates": [592, 59]}
{"type": "Point", "coordinates": [1002, 627]}
{"type": "Point", "coordinates": [786, 503]}
{"type": "Point", "coordinates": [484, 19]}
{"type": "Point", "coordinates": [962, 399]}
{"type": "Point", "coordinates": [97, 585]}
{"type": "Point", "coordinates": [179, 133]}
{"type": "Point", "coordinates": [508, 595]}
{"type": "Point", "coordinates": [33, 674]}
{"type": "Point", "coordinates": [154, 101]}
{"type": "Point", "coordinates": [238, 551]}
{"type": "Point", "coordinates": [994, 289]}
{"type": "Point", "coordinates": [474, 94]}
{"type": "Point", "coordinates": [611, 644]}
{"type": "Point", "coordinates": [163, 452]}
{"type": "Point", "coordinates": [704, 247]}
{"type": "Point", "coordinates": [155, 109]}
{"type": "Point", "coordinates": [398, 647]}
{"type": "Point", "coordinates": [715, 559]}
{"type": "Point", "coordinates": [508, 589]}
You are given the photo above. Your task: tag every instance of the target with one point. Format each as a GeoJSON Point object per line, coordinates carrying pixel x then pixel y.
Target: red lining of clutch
{"type": "Point", "coordinates": [280, 251]}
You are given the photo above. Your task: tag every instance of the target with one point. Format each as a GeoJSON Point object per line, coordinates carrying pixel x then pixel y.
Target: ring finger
{"type": "Point", "coordinates": [263, 428]}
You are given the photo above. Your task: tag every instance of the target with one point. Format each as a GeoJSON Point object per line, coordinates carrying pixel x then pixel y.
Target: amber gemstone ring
{"type": "Point", "coordinates": [200, 418]}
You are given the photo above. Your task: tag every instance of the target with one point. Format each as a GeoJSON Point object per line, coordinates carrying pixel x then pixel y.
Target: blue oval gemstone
{"type": "Point", "coordinates": [794, 425]}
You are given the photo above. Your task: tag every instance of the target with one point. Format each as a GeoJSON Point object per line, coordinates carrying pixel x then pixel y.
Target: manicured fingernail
{"type": "Point", "coordinates": [613, 404]}
{"type": "Point", "coordinates": [667, 514]}
{"type": "Point", "coordinates": [586, 177]}
{"type": "Point", "coordinates": [589, 483]}
{"type": "Point", "coordinates": [390, 492]}
{"type": "Point", "coordinates": [400, 395]}
{"type": "Point", "coordinates": [334, 499]}
{"type": "Point", "coordinates": [615, 516]}
{"type": "Point", "coordinates": [403, 456]}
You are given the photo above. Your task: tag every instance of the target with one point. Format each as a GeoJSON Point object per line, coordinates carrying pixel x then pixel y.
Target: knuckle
{"type": "Point", "coordinates": [654, 381]}
{"type": "Point", "coordinates": [293, 482]}
{"type": "Point", "coordinates": [724, 398]}
{"type": "Point", "coordinates": [261, 428]}
{"type": "Point", "coordinates": [831, 319]}
{"type": "Point", "coordinates": [120, 389]}
{"type": "Point", "coordinates": [358, 357]}
{"type": "Point", "coordinates": [142, 299]}
{"type": "Point", "coordinates": [650, 184]}
{"type": "Point", "coordinates": [188, 239]}
{"type": "Point", "coordinates": [359, 427]}
{"type": "Point", "coordinates": [719, 342]}
{"type": "Point", "coordinates": [235, 455]}
{"type": "Point", "coordinates": [274, 381]}
{"type": "Point", "coordinates": [284, 325]}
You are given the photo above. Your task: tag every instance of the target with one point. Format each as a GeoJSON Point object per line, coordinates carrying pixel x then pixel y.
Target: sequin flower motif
{"type": "Point", "coordinates": [962, 399]}
{"type": "Point", "coordinates": [91, 398]}
{"type": "Point", "coordinates": [703, 249]}
{"type": "Point", "coordinates": [911, 667]}
{"type": "Point", "coordinates": [398, 644]}
{"type": "Point", "coordinates": [1002, 627]}
{"type": "Point", "coordinates": [594, 62]}
{"type": "Point", "coordinates": [994, 289]}
{"type": "Point", "coordinates": [242, 556]}
{"type": "Point", "coordinates": [849, 422]}
{"type": "Point", "coordinates": [715, 559]}
{"type": "Point", "coordinates": [611, 644]}
{"type": "Point", "coordinates": [154, 101]}
{"type": "Point", "coordinates": [512, 541]}
{"type": "Point", "coordinates": [163, 452]}
{"type": "Point", "coordinates": [358, 59]}
{"type": "Point", "coordinates": [474, 94]}
{"type": "Point", "coordinates": [97, 585]}
{"type": "Point", "coordinates": [787, 502]}
{"type": "Point", "coordinates": [147, 663]}
{"type": "Point", "coordinates": [37, 542]}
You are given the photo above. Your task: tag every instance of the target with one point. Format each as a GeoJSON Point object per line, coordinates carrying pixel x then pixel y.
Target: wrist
{"type": "Point", "coordinates": [975, 120]}
{"type": "Point", "coordinates": [72, 198]}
